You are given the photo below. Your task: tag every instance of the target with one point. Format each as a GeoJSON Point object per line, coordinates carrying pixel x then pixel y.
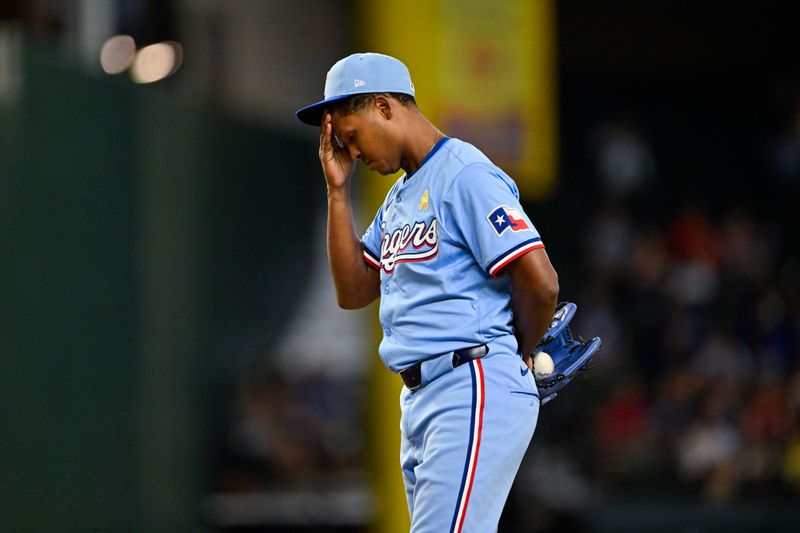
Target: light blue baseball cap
{"type": "Point", "coordinates": [359, 74]}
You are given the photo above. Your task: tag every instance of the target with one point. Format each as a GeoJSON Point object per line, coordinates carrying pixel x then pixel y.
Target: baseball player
{"type": "Point", "coordinates": [465, 287]}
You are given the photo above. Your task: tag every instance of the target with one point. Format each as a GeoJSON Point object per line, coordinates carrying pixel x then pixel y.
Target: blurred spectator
{"type": "Point", "coordinates": [649, 263]}
{"type": "Point", "coordinates": [709, 449]}
{"type": "Point", "coordinates": [621, 426]}
{"type": "Point", "coordinates": [777, 337]}
{"type": "Point", "coordinates": [693, 237]}
{"type": "Point", "coordinates": [746, 254]}
{"type": "Point", "coordinates": [766, 425]}
{"type": "Point", "coordinates": [609, 241]}
{"type": "Point", "coordinates": [675, 404]}
{"type": "Point", "coordinates": [597, 314]}
{"type": "Point", "coordinates": [692, 282]}
{"type": "Point", "coordinates": [624, 162]}
{"type": "Point", "coordinates": [723, 359]}
{"type": "Point", "coordinates": [298, 432]}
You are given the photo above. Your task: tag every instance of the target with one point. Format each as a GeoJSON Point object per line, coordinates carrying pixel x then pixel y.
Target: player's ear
{"type": "Point", "coordinates": [384, 106]}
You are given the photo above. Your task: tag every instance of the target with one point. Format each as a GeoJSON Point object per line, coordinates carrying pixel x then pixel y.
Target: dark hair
{"type": "Point", "coordinates": [348, 106]}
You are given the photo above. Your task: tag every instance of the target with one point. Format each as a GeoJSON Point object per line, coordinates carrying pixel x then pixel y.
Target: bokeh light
{"type": "Point", "coordinates": [156, 62]}
{"type": "Point", "coordinates": [117, 54]}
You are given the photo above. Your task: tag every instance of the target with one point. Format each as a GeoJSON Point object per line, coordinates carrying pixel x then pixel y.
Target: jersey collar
{"type": "Point", "coordinates": [435, 149]}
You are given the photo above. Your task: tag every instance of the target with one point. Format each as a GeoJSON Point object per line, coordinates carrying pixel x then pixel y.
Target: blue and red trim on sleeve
{"type": "Point", "coordinates": [371, 259]}
{"type": "Point", "coordinates": [505, 259]}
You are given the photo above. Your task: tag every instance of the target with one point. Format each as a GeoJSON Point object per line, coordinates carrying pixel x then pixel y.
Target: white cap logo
{"type": "Point", "coordinates": [359, 83]}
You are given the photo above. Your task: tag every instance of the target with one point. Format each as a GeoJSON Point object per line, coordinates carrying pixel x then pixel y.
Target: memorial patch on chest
{"type": "Point", "coordinates": [423, 202]}
{"type": "Point", "coordinates": [409, 244]}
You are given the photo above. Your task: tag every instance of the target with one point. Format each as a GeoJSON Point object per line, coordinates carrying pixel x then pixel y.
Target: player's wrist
{"type": "Point", "coordinates": [339, 192]}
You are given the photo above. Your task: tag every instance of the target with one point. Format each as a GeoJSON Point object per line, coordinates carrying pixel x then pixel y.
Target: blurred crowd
{"type": "Point", "coordinates": [301, 432]}
{"type": "Point", "coordinates": [698, 305]}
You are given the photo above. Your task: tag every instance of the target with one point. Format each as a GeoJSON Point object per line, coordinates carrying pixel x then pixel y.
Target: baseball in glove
{"type": "Point", "coordinates": [570, 353]}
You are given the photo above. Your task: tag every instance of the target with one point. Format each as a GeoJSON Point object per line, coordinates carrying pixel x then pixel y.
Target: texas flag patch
{"type": "Point", "coordinates": [505, 217]}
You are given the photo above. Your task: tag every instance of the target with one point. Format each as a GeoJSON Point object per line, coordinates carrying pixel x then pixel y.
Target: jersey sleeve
{"type": "Point", "coordinates": [371, 241]}
{"type": "Point", "coordinates": [483, 210]}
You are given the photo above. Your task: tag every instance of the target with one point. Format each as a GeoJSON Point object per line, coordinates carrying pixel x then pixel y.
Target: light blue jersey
{"type": "Point", "coordinates": [441, 238]}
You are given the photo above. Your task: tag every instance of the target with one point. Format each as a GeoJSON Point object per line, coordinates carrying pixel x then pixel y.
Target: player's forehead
{"type": "Point", "coordinates": [345, 122]}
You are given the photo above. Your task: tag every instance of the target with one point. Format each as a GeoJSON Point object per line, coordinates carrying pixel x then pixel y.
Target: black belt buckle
{"type": "Point", "coordinates": [469, 354]}
{"type": "Point", "coordinates": [412, 377]}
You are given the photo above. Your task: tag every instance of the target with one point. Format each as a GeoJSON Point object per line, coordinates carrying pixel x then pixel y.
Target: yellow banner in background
{"type": "Point", "coordinates": [485, 72]}
{"type": "Point", "coordinates": [497, 85]}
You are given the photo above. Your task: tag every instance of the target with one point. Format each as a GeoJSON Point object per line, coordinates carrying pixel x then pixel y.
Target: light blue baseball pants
{"type": "Point", "coordinates": [464, 435]}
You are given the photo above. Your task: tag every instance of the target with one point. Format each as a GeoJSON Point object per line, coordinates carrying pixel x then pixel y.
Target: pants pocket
{"type": "Point", "coordinates": [524, 393]}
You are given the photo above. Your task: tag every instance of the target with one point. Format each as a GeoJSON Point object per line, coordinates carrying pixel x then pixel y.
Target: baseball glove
{"type": "Point", "coordinates": [570, 353]}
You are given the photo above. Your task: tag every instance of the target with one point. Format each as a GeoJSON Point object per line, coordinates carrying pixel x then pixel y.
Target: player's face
{"type": "Point", "coordinates": [367, 135]}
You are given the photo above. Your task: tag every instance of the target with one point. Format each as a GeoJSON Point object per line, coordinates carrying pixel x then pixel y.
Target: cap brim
{"type": "Point", "coordinates": [312, 114]}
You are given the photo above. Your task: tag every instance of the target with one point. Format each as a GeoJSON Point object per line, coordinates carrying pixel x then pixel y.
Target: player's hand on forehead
{"type": "Point", "coordinates": [328, 134]}
{"type": "Point", "coordinates": [337, 163]}
{"type": "Point", "coordinates": [328, 144]}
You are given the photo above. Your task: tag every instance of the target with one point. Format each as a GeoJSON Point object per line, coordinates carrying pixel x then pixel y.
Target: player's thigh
{"type": "Point", "coordinates": [474, 441]}
{"type": "Point", "coordinates": [510, 415]}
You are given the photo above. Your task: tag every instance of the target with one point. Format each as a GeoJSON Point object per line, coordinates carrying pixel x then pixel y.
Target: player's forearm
{"type": "Point", "coordinates": [356, 284]}
{"type": "Point", "coordinates": [533, 312]}
{"type": "Point", "coordinates": [534, 295]}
